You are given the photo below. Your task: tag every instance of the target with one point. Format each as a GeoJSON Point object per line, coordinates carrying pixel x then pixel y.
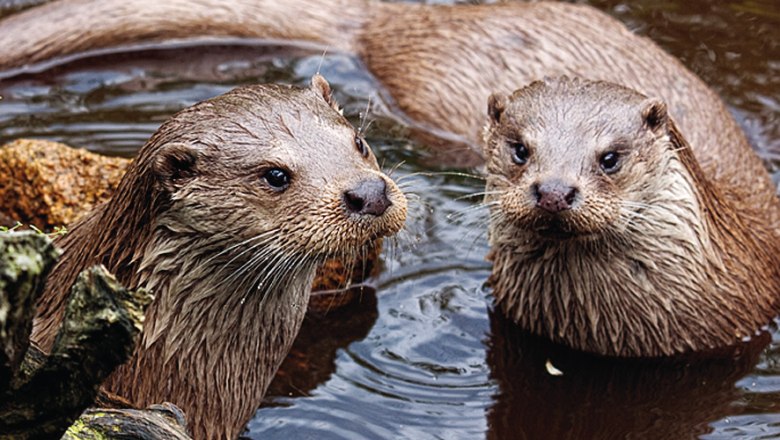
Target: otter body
{"type": "Point", "coordinates": [612, 234]}
{"type": "Point", "coordinates": [438, 63]}
{"type": "Point", "coordinates": [225, 215]}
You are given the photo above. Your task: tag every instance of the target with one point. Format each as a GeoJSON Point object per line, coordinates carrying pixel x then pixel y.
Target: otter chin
{"type": "Point", "coordinates": [225, 215]}
{"type": "Point", "coordinates": [611, 234]}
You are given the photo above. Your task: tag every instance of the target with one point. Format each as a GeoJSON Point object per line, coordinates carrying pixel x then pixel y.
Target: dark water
{"type": "Point", "coordinates": [424, 357]}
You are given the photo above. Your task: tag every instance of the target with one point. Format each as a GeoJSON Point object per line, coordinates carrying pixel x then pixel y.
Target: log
{"type": "Point", "coordinates": [25, 261]}
{"type": "Point", "coordinates": [158, 422]}
{"type": "Point", "coordinates": [41, 396]}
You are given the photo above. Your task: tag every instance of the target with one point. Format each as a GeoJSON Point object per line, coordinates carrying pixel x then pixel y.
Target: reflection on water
{"type": "Point", "coordinates": [597, 398]}
{"type": "Point", "coordinates": [423, 357]}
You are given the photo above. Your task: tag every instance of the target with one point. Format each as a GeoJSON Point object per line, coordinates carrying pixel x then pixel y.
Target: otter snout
{"type": "Point", "coordinates": [554, 196]}
{"type": "Point", "coordinates": [368, 197]}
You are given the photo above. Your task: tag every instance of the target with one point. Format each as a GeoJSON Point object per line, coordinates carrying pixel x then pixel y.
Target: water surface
{"type": "Point", "coordinates": [424, 357]}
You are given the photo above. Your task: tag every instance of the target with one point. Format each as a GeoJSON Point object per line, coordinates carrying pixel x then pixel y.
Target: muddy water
{"type": "Point", "coordinates": [423, 356]}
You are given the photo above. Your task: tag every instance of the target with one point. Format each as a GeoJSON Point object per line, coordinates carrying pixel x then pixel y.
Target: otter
{"type": "Point", "coordinates": [225, 215]}
{"type": "Point", "coordinates": [611, 234]}
{"type": "Point", "coordinates": [437, 63]}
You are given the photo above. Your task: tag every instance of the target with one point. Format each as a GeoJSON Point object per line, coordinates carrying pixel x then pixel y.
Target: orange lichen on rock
{"type": "Point", "coordinates": [49, 184]}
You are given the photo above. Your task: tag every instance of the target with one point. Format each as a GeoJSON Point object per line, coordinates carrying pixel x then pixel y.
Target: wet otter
{"type": "Point", "coordinates": [225, 215]}
{"type": "Point", "coordinates": [438, 63]}
{"type": "Point", "coordinates": [612, 234]}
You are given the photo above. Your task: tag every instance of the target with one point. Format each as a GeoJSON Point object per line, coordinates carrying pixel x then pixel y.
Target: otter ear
{"type": "Point", "coordinates": [654, 114]}
{"type": "Point", "coordinates": [174, 163]}
{"type": "Point", "coordinates": [496, 107]}
{"type": "Point", "coordinates": [321, 87]}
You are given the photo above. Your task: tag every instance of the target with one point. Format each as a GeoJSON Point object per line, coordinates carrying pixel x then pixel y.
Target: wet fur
{"type": "Point", "coordinates": [665, 257]}
{"type": "Point", "coordinates": [229, 259]}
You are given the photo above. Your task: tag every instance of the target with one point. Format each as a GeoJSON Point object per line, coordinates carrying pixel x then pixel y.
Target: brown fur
{"type": "Point", "coordinates": [662, 257]}
{"type": "Point", "coordinates": [229, 259]}
{"type": "Point", "coordinates": [438, 63]}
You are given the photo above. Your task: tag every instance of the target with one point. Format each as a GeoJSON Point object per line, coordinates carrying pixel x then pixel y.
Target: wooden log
{"type": "Point", "coordinates": [41, 396]}
{"type": "Point", "coordinates": [158, 422]}
{"type": "Point", "coordinates": [25, 261]}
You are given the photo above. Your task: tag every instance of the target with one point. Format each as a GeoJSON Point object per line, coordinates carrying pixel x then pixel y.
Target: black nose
{"type": "Point", "coordinates": [554, 196]}
{"type": "Point", "coordinates": [368, 197]}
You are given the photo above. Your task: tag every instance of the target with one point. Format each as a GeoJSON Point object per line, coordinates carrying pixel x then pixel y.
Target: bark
{"type": "Point", "coordinates": [25, 261]}
{"type": "Point", "coordinates": [41, 396]}
{"type": "Point", "coordinates": [158, 422]}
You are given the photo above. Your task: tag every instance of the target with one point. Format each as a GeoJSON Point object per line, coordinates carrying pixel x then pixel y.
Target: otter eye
{"type": "Point", "coordinates": [278, 178]}
{"type": "Point", "coordinates": [361, 146]}
{"type": "Point", "coordinates": [519, 152]}
{"type": "Point", "coordinates": [610, 162]}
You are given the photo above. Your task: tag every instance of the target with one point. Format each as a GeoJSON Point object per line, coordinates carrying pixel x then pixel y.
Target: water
{"type": "Point", "coordinates": [424, 357]}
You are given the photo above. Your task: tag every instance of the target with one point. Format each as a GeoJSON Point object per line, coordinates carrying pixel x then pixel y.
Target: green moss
{"type": "Point", "coordinates": [81, 430]}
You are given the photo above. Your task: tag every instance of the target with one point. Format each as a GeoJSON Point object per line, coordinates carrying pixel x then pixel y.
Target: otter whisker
{"type": "Point", "coordinates": [441, 173]}
{"type": "Point", "coordinates": [322, 58]}
{"type": "Point", "coordinates": [480, 194]}
{"type": "Point", "coordinates": [467, 210]}
{"type": "Point", "coordinates": [250, 249]}
{"type": "Point", "coordinates": [417, 205]}
{"type": "Point", "coordinates": [409, 184]}
{"type": "Point", "coordinates": [394, 168]}
{"type": "Point", "coordinates": [256, 265]}
{"type": "Point", "coordinates": [278, 268]}
{"type": "Point", "coordinates": [230, 248]}
{"type": "Point", "coordinates": [364, 116]}
{"type": "Point", "coordinates": [244, 268]}
{"type": "Point", "coordinates": [637, 204]}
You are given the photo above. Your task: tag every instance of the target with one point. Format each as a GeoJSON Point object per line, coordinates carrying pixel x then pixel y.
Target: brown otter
{"type": "Point", "coordinates": [612, 234]}
{"type": "Point", "coordinates": [439, 63]}
{"type": "Point", "coordinates": [225, 215]}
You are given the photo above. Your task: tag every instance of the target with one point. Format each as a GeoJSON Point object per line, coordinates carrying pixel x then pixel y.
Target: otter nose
{"type": "Point", "coordinates": [368, 197]}
{"type": "Point", "coordinates": [554, 196]}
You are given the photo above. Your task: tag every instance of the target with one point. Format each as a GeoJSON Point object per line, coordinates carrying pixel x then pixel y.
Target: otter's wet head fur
{"type": "Point", "coordinates": [225, 215]}
{"type": "Point", "coordinates": [607, 235]}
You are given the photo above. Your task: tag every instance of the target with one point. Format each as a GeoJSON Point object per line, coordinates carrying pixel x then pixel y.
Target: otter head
{"type": "Point", "coordinates": [276, 168]}
{"type": "Point", "coordinates": [570, 159]}
{"type": "Point", "coordinates": [599, 236]}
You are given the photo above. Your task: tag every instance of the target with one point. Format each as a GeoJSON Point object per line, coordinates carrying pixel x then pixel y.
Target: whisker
{"type": "Point", "coordinates": [364, 116]}
{"type": "Point", "coordinates": [228, 249]}
{"type": "Point", "coordinates": [395, 168]}
{"type": "Point", "coordinates": [442, 173]}
{"type": "Point", "coordinates": [322, 59]}
{"type": "Point", "coordinates": [481, 193]}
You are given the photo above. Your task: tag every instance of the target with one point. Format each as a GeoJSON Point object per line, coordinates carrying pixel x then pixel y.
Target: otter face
{"type": "Point", "coordinates": [567, 162]}
{"type": "Point", "coordinates": [274, 166]}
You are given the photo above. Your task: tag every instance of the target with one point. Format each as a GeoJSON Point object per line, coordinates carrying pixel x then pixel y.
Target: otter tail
{"type": "Point", "coordinates": [66, 29]}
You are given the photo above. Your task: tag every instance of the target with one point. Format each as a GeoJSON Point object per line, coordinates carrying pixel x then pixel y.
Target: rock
{"type": "Point", "coordinates": [49, 184]}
